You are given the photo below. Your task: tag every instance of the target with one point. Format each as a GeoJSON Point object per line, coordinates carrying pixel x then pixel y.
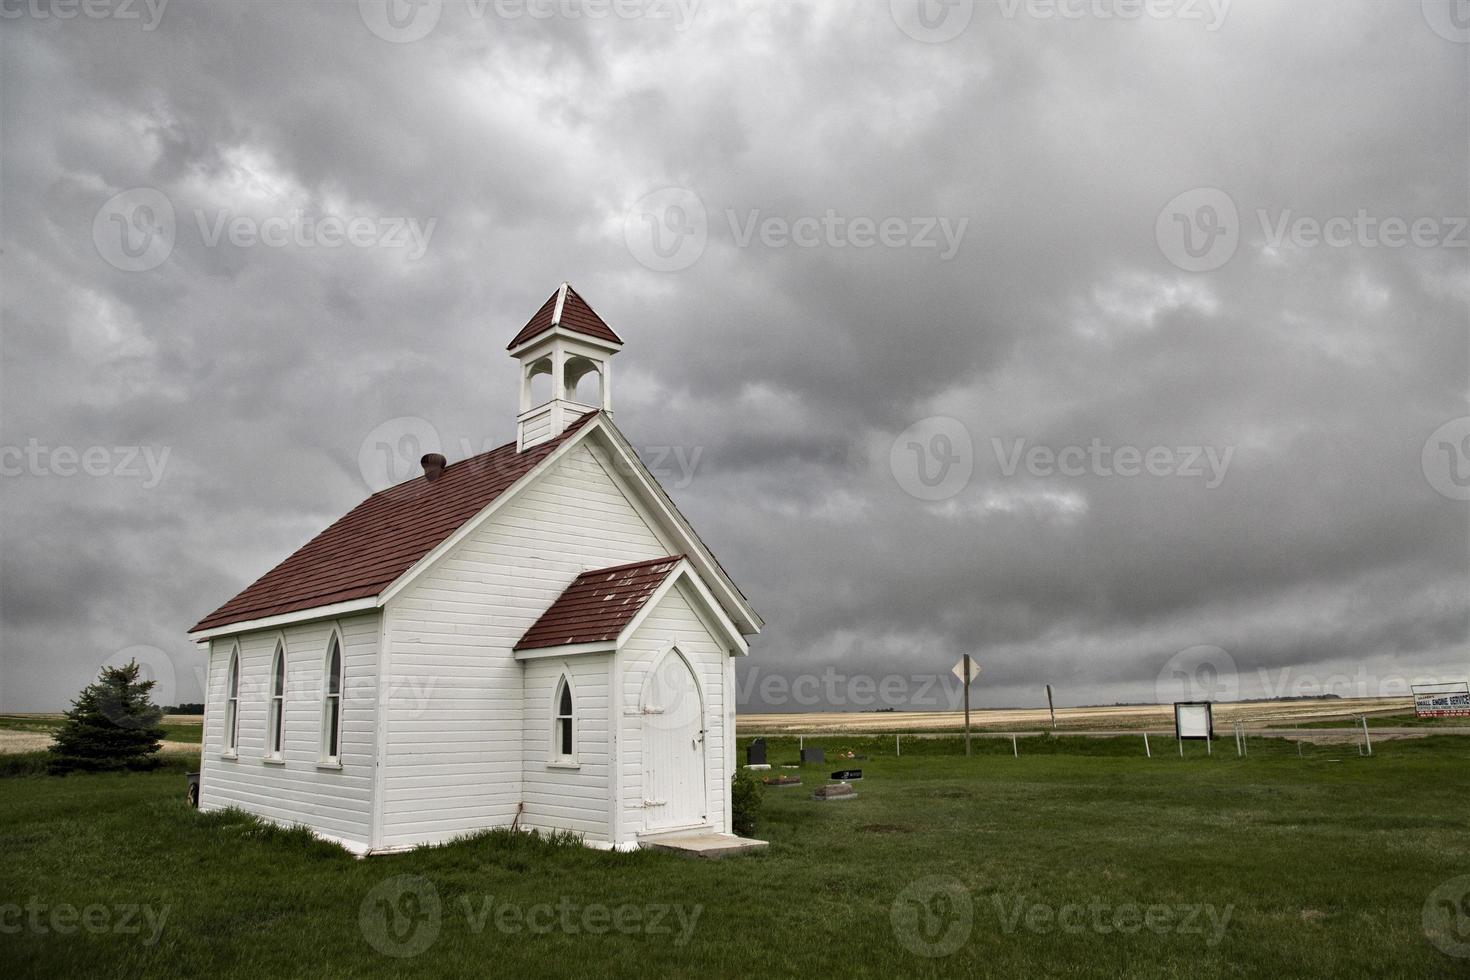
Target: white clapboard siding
{"type": "Point", "coordinates": [674, 622]}
{"type": "Point", "coordinates": [536, 429]}
{"type": "Point", "coordinates": [557, 797]}
{"type": "Point", "coordinates": [334, 802]}
{"type": "Point", "coordinates": [455, 758]}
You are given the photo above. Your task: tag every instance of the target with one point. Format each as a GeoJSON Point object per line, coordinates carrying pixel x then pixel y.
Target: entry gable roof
{"type": "Point", "coordinates": [598, 604]}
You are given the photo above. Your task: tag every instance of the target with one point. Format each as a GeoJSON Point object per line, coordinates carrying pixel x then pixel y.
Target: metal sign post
{"type": "Point", "coordinates": [966, 670]}
{"type": "Point", "coordinates": [967, 704]}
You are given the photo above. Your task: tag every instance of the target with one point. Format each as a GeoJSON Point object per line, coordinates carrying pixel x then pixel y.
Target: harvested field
{"type": "Point", "coordinates": [1119, 718]}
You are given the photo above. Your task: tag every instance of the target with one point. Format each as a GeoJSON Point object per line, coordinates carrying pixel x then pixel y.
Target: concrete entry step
{"type": "Point", "coordinates": [703, 844]}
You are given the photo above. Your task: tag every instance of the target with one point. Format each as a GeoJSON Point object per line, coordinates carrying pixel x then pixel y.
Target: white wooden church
{"type": "Point", "coordinates": [532, 637]}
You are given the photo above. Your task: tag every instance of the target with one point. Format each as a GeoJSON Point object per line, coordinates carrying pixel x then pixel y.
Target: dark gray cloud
{"type": "Point", "coordinates": [771, 379]}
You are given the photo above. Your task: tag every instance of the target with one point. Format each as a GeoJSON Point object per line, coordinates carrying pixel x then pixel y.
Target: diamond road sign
{"type": "Point", "coordinates": [959, 670]}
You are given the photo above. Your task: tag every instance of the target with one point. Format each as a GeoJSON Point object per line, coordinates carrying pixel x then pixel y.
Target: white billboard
{"type": "Point", "coordinates": [1193, 719]}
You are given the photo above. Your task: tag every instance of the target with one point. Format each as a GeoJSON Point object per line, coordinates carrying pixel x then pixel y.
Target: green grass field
{"type": "Point", "coordinates": [1081, 858]}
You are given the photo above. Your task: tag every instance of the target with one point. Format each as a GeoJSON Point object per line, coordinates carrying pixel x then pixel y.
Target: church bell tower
{"type": "Point", "coordinates": [564, 352]}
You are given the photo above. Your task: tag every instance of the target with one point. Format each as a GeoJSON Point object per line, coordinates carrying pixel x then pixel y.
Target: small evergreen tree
{"type": "Point", "coordinates": [113, 724]}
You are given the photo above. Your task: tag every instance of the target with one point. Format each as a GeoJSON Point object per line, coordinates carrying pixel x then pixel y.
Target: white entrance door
{"type": "Point", "coordinates": [673, 747]}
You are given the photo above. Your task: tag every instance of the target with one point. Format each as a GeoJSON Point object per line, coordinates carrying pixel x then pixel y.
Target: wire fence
{"type": "Point", "coordinates": [1237, 742]}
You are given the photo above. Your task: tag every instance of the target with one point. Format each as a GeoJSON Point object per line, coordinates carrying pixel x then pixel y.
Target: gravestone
{"type": "Point", "coordinates": [835, 791]}
{"type": "Point", "coordinates": [755, 753]}
{"type": "Point", "coordinates": [844, 775]}
{"type": "Point", "coordinates": [813, 755]}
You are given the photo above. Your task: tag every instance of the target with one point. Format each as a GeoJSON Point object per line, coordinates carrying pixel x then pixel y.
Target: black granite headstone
{"type": "Point", "coordinates": [755, 753]}
{"type": "Point", "coordinates": [813, 755]}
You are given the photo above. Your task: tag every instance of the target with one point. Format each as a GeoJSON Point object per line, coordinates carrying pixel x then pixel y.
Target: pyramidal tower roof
{"type": "Point", "coordinates": [569, 311]}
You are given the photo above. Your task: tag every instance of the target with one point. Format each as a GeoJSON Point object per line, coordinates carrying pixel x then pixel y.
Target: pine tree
{"type": "Point", "coordinates": [113, 724]}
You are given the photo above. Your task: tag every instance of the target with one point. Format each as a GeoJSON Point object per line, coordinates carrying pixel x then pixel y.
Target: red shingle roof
{"type": "Point", "coordinates": [382, 537]}
{"type": "Point", "coordinates": [597, 605]}
{"type": "Point", "coordinates": [576, 315]}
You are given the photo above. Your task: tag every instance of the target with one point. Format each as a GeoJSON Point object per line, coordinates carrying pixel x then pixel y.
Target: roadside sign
{"type": "Point", "coordinates": [967, 670]}
{"type": "Point", "coordinates": [1442, 700]}
{"type": "Point", "coordinates": [1193, 719]}
{"type": "Point", "coordinates": [959, 669]}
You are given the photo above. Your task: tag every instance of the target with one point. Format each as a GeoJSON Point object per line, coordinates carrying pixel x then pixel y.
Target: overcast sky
{"type": "Point", "coordinates": [1007, 328]}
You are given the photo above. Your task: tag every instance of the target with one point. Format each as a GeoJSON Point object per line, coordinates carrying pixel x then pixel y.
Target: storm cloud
{"type": "Point", "coordinates": [936, 315]}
